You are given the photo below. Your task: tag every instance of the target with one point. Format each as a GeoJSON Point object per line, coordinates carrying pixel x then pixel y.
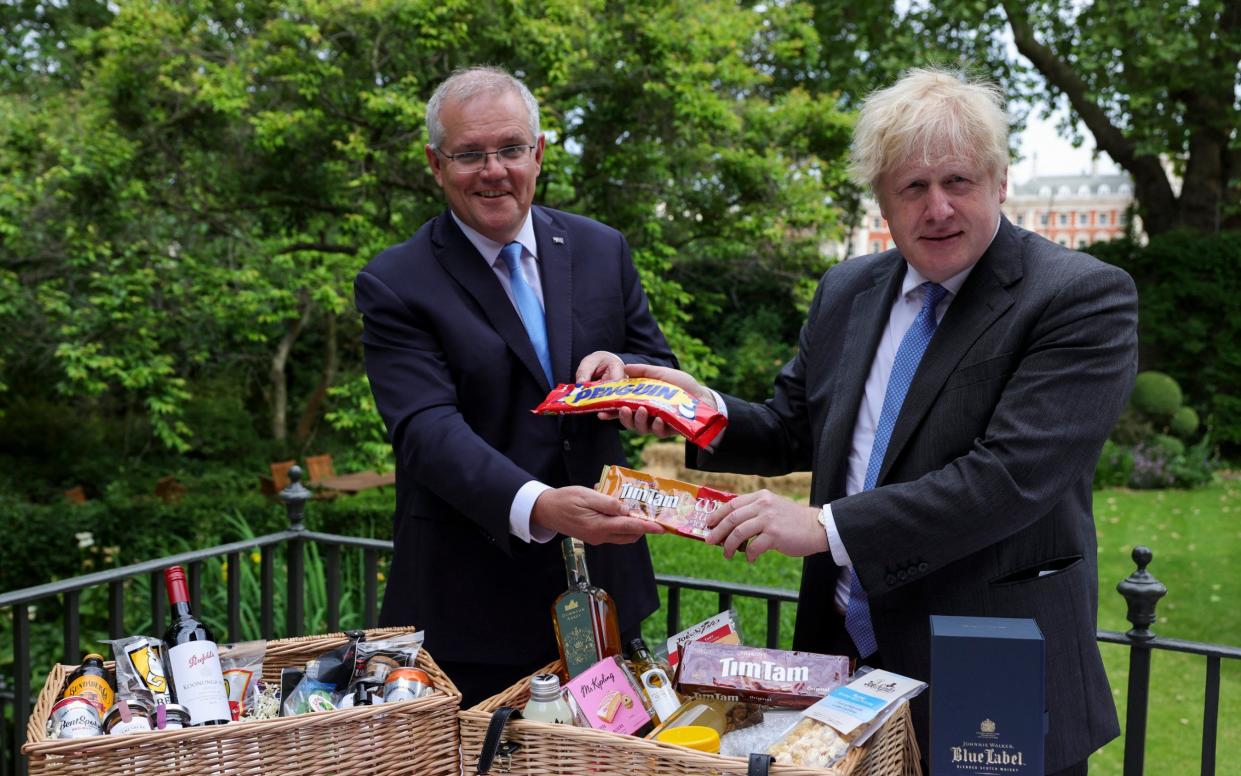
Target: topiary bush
{"type": "Point", "coordinates": [1184, 422]}
{"type": "Point", "coordinates": [1157, 395]}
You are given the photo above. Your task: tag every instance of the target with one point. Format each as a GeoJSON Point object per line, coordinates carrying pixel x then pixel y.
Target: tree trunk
{"type": "Point", "coordinates": [314, 404]}
{"type": "Point", "coordinates": [280, 389]}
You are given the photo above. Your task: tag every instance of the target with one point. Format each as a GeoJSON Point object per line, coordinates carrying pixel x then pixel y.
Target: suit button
{"type": "Point", "coordinates": [922, 566]}
{"type": "Point", "coordinates": [901, 575]}
{"type": "Point", "coordinates": [890, 579]}
{"type": "Point", "coordinates": [567, 446]}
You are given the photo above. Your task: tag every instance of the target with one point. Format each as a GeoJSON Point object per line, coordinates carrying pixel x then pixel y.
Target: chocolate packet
{"type": "Point", "coordinates": [772, 677]}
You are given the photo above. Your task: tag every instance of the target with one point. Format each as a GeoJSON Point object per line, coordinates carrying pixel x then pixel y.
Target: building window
{"type": "Point", "coordinates": [1063, 191]}
{"type": "Point", "coordinates": [1064, 219]}
{"type": "Point", "coordinates": [1042, 219]}
{"type": "Point", "coordinates": [1120, 219]}
{"type": "Point", "coordinates": [1082, 242]}
{"type": "Point", "coordinates": [1104, 190]}
{"type": "Point", "coordinates": [1124, 190]}
{"type": "Point", "coordinates": [876, 222]}
{"type": "Point", "coordinates": [1083, 219]}
{"type": "Point", "coordinates": [1021, 219]}
{"type": "Point", "coordinates": [1102, 218]}
{"type": "Point", "coordinates": [1044, 192]}
{"type": "Point", "coordinates": [875, 247]}
{"type": "Point", "coordinates": [1063, 241]}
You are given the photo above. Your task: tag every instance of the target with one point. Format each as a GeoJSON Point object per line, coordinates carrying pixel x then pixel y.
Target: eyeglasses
{"type": "Point", "coordinates": [474, 161]}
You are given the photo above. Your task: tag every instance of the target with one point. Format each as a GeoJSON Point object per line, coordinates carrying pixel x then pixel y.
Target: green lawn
{"type": "Point", "coordinates": [1195, 537]}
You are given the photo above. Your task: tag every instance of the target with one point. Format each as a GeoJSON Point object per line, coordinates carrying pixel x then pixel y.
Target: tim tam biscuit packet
{"type": "Point", "coordinates": [680, 507]}
{"type": "Point", "coordinates": [773, 677]}
{"type": "Point", "coordinates": [687, 414]}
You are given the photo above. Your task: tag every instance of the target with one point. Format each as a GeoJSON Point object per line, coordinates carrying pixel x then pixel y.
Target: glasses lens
{"type": "Point", "coordinates": [514, 156]}
{"type": "Point", "coordinates": [470, 161]}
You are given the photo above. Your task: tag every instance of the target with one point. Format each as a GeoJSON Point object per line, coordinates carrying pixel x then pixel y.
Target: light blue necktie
{"type": "Point", "coordinates": [908, 356]}
{"type": "Point", "coordinates": [529, 307]}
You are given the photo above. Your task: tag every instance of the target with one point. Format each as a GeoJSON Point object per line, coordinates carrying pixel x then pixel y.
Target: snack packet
{"type": "Point", "coordinates": [680, 507]}
{"type": "Point", "coordinates": [846, 718]}
{"type": "Point", "coordinates": [140, 670]}
{"type": "Point", "coordinates": [242, 664]}
{"type": "Point", "coordinates": [686, 414]}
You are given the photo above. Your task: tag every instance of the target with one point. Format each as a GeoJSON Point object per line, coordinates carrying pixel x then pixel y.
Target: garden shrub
{"type": "Point", "coordinates": [1115, 466]}
{"type": "Point", "coordinates": [1156, 394]}
{"type": "Point", "coordinates": [1184, 422]}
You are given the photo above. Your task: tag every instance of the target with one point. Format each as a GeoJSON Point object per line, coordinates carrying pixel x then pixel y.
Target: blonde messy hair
{"type": "Point", "coordinates": [928, 115]}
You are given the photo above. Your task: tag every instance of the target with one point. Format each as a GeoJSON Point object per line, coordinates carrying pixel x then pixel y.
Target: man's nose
{"type": "Point", "coordinates": [938, 204]}
{"type": "Point", "coordinates": [492, 168]}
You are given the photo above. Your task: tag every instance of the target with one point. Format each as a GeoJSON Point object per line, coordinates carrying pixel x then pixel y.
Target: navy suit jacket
{"type": "Point", "coordinates": [454, 376]}
{"type": "Point", "coordinates": [984, 498]}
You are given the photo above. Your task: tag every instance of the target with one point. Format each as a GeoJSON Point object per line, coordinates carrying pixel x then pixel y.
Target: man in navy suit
{"type": "Point", "coordinates": [951, 396]}
{"type": "Point", "coordinates": [467, 326]}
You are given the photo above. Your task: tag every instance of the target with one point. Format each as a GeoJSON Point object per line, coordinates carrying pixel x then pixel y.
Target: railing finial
{"type": "Point", "coordinates": [295, 495]}
{"type": "Point", "coordinates": [1142, 592]}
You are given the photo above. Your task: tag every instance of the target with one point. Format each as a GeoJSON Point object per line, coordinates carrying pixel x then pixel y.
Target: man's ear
{"type": "Point", "coordinates": [1004, 186]}
{"type": "Point", "coordinates": [437, 164]}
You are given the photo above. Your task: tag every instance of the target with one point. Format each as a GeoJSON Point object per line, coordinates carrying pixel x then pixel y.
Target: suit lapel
{"type": "Point", "coordinates": [983, 298]}
{"type": "Point", "coordinates": [556, 272]}
{"type": "Point", "coordinates": [459, 258]}
{"type": "Point", "coordinates": [867, 318]}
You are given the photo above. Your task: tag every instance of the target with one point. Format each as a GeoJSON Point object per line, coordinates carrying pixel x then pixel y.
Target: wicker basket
{"type": "Point", "coordinates": [409, 737]}
{"type": "Point", "coordinates": [563, 750]}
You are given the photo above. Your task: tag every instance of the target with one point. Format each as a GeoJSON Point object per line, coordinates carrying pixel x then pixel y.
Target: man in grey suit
{"type": "Point", "coordinates": [951, 396]}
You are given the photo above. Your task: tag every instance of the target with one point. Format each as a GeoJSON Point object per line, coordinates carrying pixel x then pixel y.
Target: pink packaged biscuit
{"type": "Point", "coordinates": [607, 699]}
{"type": "Point", "coordinates": [773, 677]}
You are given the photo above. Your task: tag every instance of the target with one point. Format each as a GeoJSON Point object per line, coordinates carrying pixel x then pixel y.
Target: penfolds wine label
{"type": "Point", "coordinates": [193, 659]}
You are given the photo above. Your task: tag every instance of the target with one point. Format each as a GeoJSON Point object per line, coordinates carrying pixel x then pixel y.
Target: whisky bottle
{"type": "Point", "coordinates": [584, 616]}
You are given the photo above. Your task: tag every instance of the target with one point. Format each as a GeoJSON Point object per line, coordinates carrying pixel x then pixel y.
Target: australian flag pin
{"type": "Point", "coordinates": [558, 240]}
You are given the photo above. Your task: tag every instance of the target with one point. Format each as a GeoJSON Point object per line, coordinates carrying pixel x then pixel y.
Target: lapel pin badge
{"type": "Point", "coordinates": [558, 240]}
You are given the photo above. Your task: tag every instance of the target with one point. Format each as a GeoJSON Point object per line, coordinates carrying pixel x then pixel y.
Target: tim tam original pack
{"type": "Point", "coordinates": [678, 506]}
{"type": "Point", "coordinates": [772, 677]}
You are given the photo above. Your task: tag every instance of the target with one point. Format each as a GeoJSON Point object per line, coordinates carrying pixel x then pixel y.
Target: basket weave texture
{"type": "Point", "coordinates": [565, 750]}
{"type": "Point", "coordinates": [409, 737]}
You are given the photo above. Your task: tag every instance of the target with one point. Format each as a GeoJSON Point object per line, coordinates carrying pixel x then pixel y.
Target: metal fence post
{"type": "Point", "coordinates": [295, 497]}
{"type": "Point", "coordinates": [1142, 593]}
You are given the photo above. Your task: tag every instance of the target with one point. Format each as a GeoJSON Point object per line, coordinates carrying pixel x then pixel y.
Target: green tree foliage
{"type": "Point", "coordinates": [187, 188]}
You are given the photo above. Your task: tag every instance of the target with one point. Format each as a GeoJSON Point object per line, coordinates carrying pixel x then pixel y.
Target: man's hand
{"type": "Point", "coordinates": [769, 522]}
{"type": "Point", "coordinates": [643, 422]}
{"type": "Point", "coordinates": [600, 365]}
{"type": "Point", "coordinates": [590, 516]}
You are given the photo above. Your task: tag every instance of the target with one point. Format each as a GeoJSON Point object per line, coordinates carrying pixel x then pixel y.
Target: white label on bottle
{"type": "Point", "coordinates": [199, 682]}
{"type": "Point", "coordinates": [662, 696]}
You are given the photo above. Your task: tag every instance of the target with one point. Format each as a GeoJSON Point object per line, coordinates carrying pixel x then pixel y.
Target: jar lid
{"type": "Point", "coordinates": [699, 737]}
{"type": "Point", "coordinates": [545, 687]}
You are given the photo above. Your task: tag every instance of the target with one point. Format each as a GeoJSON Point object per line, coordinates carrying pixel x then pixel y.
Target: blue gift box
{"type": "Point", "coordinates": [987, 697]}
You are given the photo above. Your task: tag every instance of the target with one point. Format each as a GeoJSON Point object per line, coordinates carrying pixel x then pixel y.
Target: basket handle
{"type": "Point", "coordinates": [759, 764]}
{"type": "Point", "coordinates": [492, 747]}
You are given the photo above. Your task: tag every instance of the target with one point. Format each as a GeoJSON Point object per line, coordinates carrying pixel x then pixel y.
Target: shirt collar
{"type": "Point", "coordinates": [913, 278]}
{"type": "Point", "coordinates": [490, 249]}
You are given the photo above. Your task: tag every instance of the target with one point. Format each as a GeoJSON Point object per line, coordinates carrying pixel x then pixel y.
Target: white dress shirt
{"type": "Point", "coordinates": [523, 502]}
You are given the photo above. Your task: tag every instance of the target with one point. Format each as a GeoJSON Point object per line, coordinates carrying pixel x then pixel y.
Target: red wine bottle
{"type": "Point", "coordinates": [196, 678]}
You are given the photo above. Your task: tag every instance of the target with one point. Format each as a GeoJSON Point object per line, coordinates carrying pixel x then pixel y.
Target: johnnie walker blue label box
{"type": "Point", "coordinates": [987, 707]}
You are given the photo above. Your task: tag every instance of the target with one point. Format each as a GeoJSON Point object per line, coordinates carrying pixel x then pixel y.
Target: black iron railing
{"type": "Point", "coordinates": [1140, 590]}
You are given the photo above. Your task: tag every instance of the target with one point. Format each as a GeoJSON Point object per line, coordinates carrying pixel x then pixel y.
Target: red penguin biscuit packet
{"type": "Point", "coordinates": [680, 507]}
{"type": "Point", "coordinates": [686, 414]}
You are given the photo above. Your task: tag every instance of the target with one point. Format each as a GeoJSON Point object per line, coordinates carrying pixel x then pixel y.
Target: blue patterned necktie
{"type": "Point", "coordinates": [908, 356]}
{"type": "Point", "coordinates": [529, 307]}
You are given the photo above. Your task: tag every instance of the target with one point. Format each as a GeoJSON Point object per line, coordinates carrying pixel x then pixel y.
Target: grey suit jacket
{"type": "Point", "coordinates": [984, 498]}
